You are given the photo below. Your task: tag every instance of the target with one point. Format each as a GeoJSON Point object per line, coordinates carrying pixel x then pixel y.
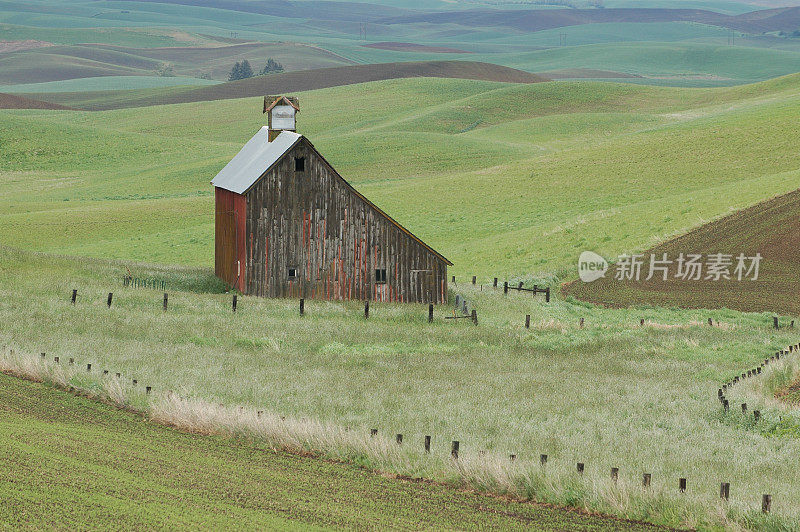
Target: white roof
{"type": "Point", "coordinates": [255, 158]}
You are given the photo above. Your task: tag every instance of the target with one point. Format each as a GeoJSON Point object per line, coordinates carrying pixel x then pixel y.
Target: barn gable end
{"type": "Point", "coordinates": [288, 225]}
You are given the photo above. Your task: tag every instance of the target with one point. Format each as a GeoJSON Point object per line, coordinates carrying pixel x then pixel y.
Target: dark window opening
{"type": "Point", "coordinates": [292, 273]}
{"type": "Point", "coordinates": [380, 276]}
{"type": "Point", "coordinates": [299, 164]}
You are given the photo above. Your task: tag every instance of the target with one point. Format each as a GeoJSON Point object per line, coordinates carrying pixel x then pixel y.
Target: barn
{"type": "Point", "coordinates": [288, 225]}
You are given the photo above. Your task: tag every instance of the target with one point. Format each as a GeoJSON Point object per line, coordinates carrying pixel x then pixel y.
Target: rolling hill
{"type": "Point", "coordinates": [768, 228]}
{"type": "Point", "coordinates": [12, 101]}
{"type": "Point", "coordinates": [298, 81]}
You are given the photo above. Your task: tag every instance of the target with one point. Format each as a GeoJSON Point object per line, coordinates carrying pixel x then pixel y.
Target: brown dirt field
{"type": "Point", "coordinates": [16, 46]}
{"type": "Point", "coordinates": [321, 78]}
{"type": "Point", "coordinates": [10, 101]}
{"type": "Point", "coordinates": [768, 228]}
{"type": "Point", "coordinates": [411, 47]}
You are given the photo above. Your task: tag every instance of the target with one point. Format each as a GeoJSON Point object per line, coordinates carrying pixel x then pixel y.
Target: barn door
{"type": "Point", "coordinates": [225, 247]}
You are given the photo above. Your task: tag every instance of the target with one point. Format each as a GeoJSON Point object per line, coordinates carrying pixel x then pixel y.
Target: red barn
{"type": "Point", "coordinates": [288, 225]}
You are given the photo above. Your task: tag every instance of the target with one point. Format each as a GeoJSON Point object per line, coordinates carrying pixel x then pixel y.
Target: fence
{"type": "Point", "coordinates": [136, 282]}
{"type": "Point", "coordinates": [456, 445]}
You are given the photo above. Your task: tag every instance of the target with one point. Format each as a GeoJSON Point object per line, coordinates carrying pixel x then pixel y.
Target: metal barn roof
{"type": "Point", "coordinates": [255, 158]}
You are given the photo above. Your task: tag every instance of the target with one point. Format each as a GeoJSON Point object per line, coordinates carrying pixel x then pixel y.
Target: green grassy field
{"type": "Point", "coordinates": [611, 394]}
{"type": "Point", "coordinates": [66, 467]}
{"type": "Point", "coordinates": [517, 180]}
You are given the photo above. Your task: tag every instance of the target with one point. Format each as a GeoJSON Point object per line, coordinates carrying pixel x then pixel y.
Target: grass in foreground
{"type": "Point", "coordinates": [612, 394]}
{"type": "Point", "coordinates": [72, 462]}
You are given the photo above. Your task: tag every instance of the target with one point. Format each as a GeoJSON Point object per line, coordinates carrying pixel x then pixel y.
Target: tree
{"type": "Point", "coordinates": [270, 67]}
{"type": "Point", "coordinates": [241, 71]}
{"type": "Point", "coordinates": [236, 72]}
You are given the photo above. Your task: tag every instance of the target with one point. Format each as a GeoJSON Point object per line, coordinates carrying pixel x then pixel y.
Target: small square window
{"type": "Point", "coordinates": [380, 276]}
{"type": "Point", "coordinates": [292, 273]}
{"type": "Point", "coordinates": [299, 164]}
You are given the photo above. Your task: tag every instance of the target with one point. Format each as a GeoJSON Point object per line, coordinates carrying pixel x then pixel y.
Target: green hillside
{"type": "Point", "coordinates": [514, 180]}
{"type": "Point", "coordinates": [65, 466]}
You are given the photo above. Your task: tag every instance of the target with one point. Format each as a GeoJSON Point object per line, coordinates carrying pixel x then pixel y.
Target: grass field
{"type": "Point", "coordinates": [65, 466]}
{"type": "Point", "coordinates": [612, 394]}
{"type": "Point", "coordinates": [504, 168]}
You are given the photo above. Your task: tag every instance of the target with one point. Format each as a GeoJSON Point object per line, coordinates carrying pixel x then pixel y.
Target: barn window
{"type": "Point", "coordinates": [299, 164]}
{"type": "Point", "coordinates": [292, 273]}
{"type": "Point", "coordinates": [380, 276]}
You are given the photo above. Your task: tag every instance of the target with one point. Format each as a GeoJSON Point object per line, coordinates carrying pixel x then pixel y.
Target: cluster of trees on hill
{"type": "Point", "coordinates": [243, 70]}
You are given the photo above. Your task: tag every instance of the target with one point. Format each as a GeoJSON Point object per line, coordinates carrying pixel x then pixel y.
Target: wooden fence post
{"type": "Point", "coordinates": [234, 302]}
{"type": "Point", "coordinates": [543, 459]}
{"type": "Point", "coordinates": [527, 321]}
{"type": "Point", "coordinates": [756, 415]}
{"type": "Point", "coordinates": [505, 287]}
{"type": "Point", "coordinates": [682, 485]}
{"type": "Point", "coordinates": [166, 301]}
{"type": "Point", "coordinates": [147, 390]}
{"type": "Point", "coordinates": [399, 439]}
{"type": "Point", "coordinates": [427, 444]}
{"type": "Point", "coordinates": [520, 285]}
{"type": "Point", "coordinates": [710, 322]}
{"type": "Point", "coordinates": [474, 279]}
{"type": "Point", "coordinates": [646, 480]}
{"type": "Point", "coordinates": [725, 491]}
{"type": "Point", "coordinates": [56, 359]}
{"type": "Point", "coordinates": [454, 449]}
{"type": "Point", "coordinates": [474, 316]}
{"type": "Point", "coordinates": [302, 306]}
{"type": "Point", "coordinates": [766, 503]}
{"type": "Point", "coordinates": [88, 367]}
{"type": "Point", "coordinates": [547, 295]}
{"type": "Point", "coordinates": [110, 296]}
{"type": "Point", "coordinates": [580, 468]}
{"type": "Point", "coordinates": [366, 308]}
{"type": "Point", "coordinates": [494, 283]}
{"type": "Point", "coordinates": [74, 295]}
{"type": "Point", "coordinates": [775, 321]}
{"type": "Point", "coordinates": [430, 312]}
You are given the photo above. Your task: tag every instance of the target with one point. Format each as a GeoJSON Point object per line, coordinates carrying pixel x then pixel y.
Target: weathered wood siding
{"type": "Point", "coordinates": [312, 221]}
{"type": "Point", "coordinates": [229, 237]}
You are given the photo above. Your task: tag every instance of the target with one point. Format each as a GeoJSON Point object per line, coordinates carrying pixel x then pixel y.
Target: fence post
{"type": "Point", "coordinates": [756, 415]}
{"type": "Point", "coordinates": [110, 296]}
{"type": "Point", "coordinates": [646, 480]}
{"type": "Point", "coordinates": [580, 468]}
{"type": "Point", "coordinates": [775, 321]}
{"type": "Point", "coordinates": [474, 316]}
{"type": "Point", "coordinates": [766, 503]}
{"type": "Point", "coordinates": [543, 459]}
{"type": "Point", "coordinates": [88, 367]}
{"type": "Point", "coordinates": [527, 321]}
{"type": "Point", "coordinates": [366, 309]}
{"type": "Point", "coordinates": [547, 295]}
{"type": "Point", "coordinates": [147, 390]}
{"type": "Point", "coordinates": [234, 302]}
{"type": "Point", "coordinates": [427, 444]}
{"type": "Point", "coordinates": [454, 449]}
{"type": "Point", "coordinates": [74, 295]}
{"type": "Point", "coordinates": [505, 287]}
{"type": "Point", "coordinates": [56, 359]}
{"type": "Point", "coordinates": [399, 439]}
{"type": "Point", "coordinates": [474, 279]}
{"type": "Point", "coordinates": [430, 312]}
{"type": "Point", "coordinates": [302, 306]}
{"type": "Point", "coordinates": [615, 474]}
{"type": "Point", "coordinates": [682, 485]}
{"type": "Point", "coordinates": [520, 285]}
{"type": "Point", "coordinates": [373, 432]}
{"type": "Point", "coordinates": [494, 283]}
{"type": "Point", "coordinates": [725, 491]}
{"type": "Point", "coordinates": [166, 301]}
